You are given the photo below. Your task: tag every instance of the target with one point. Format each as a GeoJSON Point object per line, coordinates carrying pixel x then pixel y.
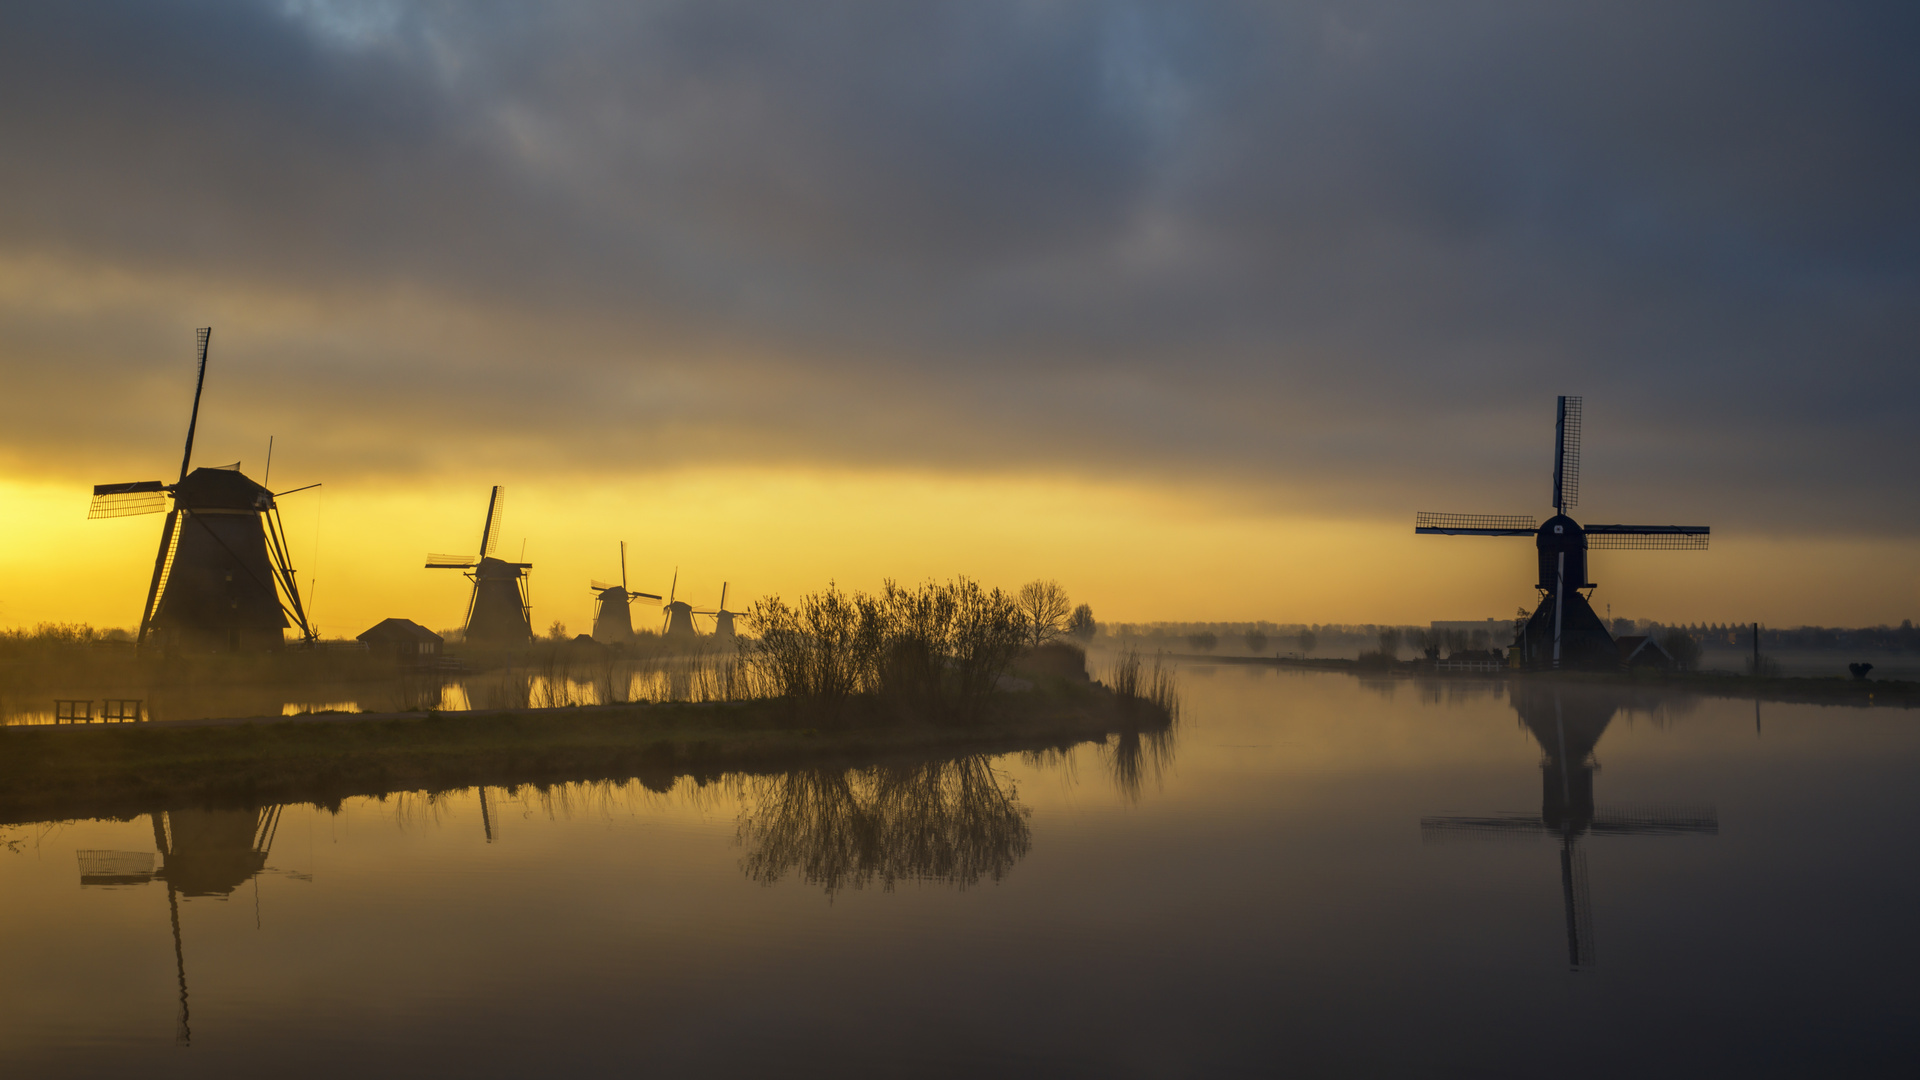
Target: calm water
{"type": "Point", "coordinates": [1319, 876]}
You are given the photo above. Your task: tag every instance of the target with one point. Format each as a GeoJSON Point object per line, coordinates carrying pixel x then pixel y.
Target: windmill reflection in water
{"type": "Point", "coordinates": [1568, 724]}
{"type": "Point", "coordinates": [203, 853]}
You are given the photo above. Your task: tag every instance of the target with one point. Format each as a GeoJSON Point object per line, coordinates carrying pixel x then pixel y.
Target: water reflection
{"type": "Point", "coordinates": [1568, 723]}
{"type": "Point", "coordinates": [1137, 757]}
{"type": "Point", "coordinates": [948, 822]}
{"type": "Point", "coordinates": [203, 853]}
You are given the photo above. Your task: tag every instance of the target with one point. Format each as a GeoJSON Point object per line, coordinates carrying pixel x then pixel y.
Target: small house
{"type": "Point", "coordinates": [404, 640]}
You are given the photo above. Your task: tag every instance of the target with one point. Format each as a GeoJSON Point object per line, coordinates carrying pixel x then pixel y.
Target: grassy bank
{"type": "Point", "coordinates": [49, 773]}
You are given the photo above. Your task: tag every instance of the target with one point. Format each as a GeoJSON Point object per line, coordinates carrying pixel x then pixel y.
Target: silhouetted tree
{"type": "Point", "coordinates": [1390, 643]}
{"type": "Point", "coordinates": [1080, 624]}
{"type": "Point", "coordinates": [1256, 641]}
{"type": "Point", "coordinates": [1306, 640]}
{"type": "Point", "coordinates": [558, 631]}
{"type": "Point", "coordinates": [1044, 606]}
{"type": "Point", "coordinates": [1204, 641]}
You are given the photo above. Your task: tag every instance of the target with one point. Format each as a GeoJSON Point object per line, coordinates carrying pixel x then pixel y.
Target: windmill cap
{"type": "Point", "coordinates": [220, 489]}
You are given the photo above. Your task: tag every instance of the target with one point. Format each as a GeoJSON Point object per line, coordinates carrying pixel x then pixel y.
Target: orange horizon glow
{"type": "Point", "coordinates": [1135, 553]}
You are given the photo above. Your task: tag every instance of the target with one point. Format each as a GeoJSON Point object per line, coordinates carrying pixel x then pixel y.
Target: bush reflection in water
{"type": "Point", "coordinates": [948, 822]}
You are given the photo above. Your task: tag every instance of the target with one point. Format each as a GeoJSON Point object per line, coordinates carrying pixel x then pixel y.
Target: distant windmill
{"type": "Point", "coordinates": [1564, 631]}
{"type": "Point", "coordinates": [1568, 727]}
{"type": "Point", "coordinates": [498, 612]}
{"type": "Point", "coordinates": [677, 621]}
{"type": "Point", "coordinates": [722, 618]}
{"type": "Point", "coordinates": [222, 578]}
{"type": "Point", "coordinates": [612, 617]}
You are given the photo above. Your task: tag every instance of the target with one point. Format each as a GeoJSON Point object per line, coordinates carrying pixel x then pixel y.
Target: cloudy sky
{"type": "Point", "coordinates": [1189, 306]}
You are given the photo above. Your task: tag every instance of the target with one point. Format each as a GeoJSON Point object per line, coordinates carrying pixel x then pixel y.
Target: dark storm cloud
{"type": "Point", "coordinates": [1345, 251]}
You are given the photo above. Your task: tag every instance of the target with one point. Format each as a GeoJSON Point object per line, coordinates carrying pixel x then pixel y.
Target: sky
{"type": "Point", "coordinates": [1190, 307]}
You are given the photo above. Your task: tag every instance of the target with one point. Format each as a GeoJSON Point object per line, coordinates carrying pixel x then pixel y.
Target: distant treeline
{"type": "Point", "coordinates": [1905, 637]}
{"type": "Point", "coordinates": [1270, 637]}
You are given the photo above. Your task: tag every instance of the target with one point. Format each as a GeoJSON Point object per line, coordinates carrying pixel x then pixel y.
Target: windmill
{"type": "Point", "coordinates": [222, 578]}
{"type": "Point", "coordinates": [612, 618]}
{"type": "Point", "coordinates": [1568, 727]}
{"type": "Point", "coordinates": [677, 619]}
{"type": "Point", "coordinates": [722, 618]}
{"type": "Point", "coordinates": [1564, 631]}
{"type": "Point", "coordinates": [497, 613]}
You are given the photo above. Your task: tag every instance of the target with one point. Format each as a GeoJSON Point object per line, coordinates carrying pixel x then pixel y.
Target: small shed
{"type": "Point", "coordinates": [403, 639]}
{"type": "Point", "coordinates": [1640, 651]}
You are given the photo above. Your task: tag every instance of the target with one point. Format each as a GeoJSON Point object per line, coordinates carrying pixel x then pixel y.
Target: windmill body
{"type": "Point", "coordinates": [222, 579]}
{"type": "Point", "coordinates": [679, 620]}
{"type": "Point", "coordinates": [1565, 631]}
{"type": "Point", "coordinates": [612, 616]}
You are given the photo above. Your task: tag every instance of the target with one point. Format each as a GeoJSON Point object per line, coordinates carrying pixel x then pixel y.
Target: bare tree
{"type": "Point", "coordinates": [1307, 639]}
{"type": "Point", "coordinates": [1044, 606]}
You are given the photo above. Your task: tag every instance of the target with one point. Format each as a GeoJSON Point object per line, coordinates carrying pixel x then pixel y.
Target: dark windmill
{"type": "Point", "coordinates": [677, 618]}
{"type": "Point", "coordinates": [612, 616]}
{"type": "Point", "coordinates": [1568, 726]}
{"type": "Point", "coordinates": [497, 614]}
{"type": "Point", "coordinates": [722, 618]}
{"type": "Point", "coordinates": [222, 578]}
{"type": "Point", "coordinates": [1564, 631]}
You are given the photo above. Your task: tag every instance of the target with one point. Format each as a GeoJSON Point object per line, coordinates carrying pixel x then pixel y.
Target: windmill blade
{"type": "Point", "coordinates": [1656, 821]}
{"type": "Point", "coordinates": [703, 611]}
{"type": "Point", "coordinates": [451, 562]}
{"type": "Point", "coordinates": [723, 596]}
{"type": "Point", "coordinates": [1499, 826]}
{"type": "Point", "coordinates": [623, 564]}
{"type": "Point", "coordinates": [1429, 523]}
{"type": "Point", "coordinates": [650, 599]}
{"type": "Point", "coordinates": [600, 586]}
{"type": "Point", "coordinates": [673, 590]}
{"type": "Point", "coordinates": [126, 500]}
{"type": "Point", "coordinates": [496, 511]}
{"type": "Point", "coordinates": [1566, 454]}
{"type": "Point", "coordinates": [200, 339]}
{"type": "Point", "coordinates": [1648, 537]}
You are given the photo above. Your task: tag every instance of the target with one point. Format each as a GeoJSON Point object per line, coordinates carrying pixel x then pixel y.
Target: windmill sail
{"type": "Point", "coordinates": [1436, 524]}
{"type": "Point", "coordinates": [1566, 455]}
{"type": "Point", "coordinates": [126, 500]}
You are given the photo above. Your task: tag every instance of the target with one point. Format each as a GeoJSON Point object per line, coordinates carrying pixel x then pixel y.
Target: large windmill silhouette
{"type": "Point", "coordinates": [497, 613]}
{"type": "Point", "coordinates": [1568, 724]}
{"type": "Point", "coordinates": [612, 611]}
{"type": "Point", "coordinates": [1564, 631]}
{"type": "Point", "coordinates": [222, 578]}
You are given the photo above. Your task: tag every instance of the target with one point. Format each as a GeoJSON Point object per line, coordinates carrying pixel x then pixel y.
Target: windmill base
{"type": "Point", "coordinates": [1585, 644]}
